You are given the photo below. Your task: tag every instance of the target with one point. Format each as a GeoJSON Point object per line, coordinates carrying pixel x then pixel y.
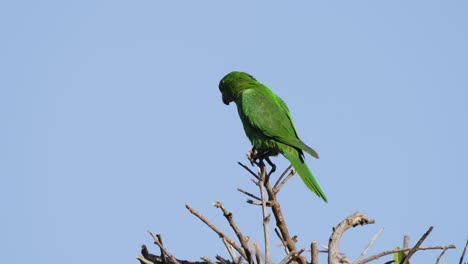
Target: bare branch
{"type": "Point", "coordinates": [369, 245]}
{"type": "Point", "coordinates": [464, 252]}
{"type": "Point", "coordinates": [406, 241]}
{"type": "Point", "coordinates": [230, 250]}
{"type": "Point", "coordinates": [249, 170]}
{"type": "Point", "coordinates": [293, 255]}
{"type": "Point", "coordinates": [143, 260]}
{"type": "Point", "coordinates": [313, 253]}
{"type": "Point", "coordinates": [258, 256]}
{"type": "Point", "coordinates": [266, 216]}
{"type": "Point", "coordinates": [249, 194]}
{"type": "Point", "coordinates": [163, 249]}
{"type": "Point", "coordinates": [208, 260]}
{"type": "Point", "coordinates": [440, 256]}
{"type": "Point", "coordinates": [353, 220]}
{"type": "Point", "coordinates": [418, 244]}
{"type": "Point", "coordinates": [278, 188]}
{"type": "Point", "coordinates": [281, 177]}
{"type": "Point", "coordinates": [163, 256]}
{"type": "Point", "coordinates": [220, 233]}
{"type": "Point", "coordinates": [243, 240]}
{"type": "Point", "coordinates": [388, 252]}
{"type": "Point", "coordinates": [222, 260]}
{"type": "Point", "coordinates": [282, 241]}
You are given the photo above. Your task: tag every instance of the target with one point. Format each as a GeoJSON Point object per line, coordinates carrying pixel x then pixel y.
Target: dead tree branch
{"type": "Point", "coordinates": [334, 256]}
{"type": "Point", "coordinates": [418, 244]}
{"type": "Point", "coordinates": [388, 252]}
{"type": "Point", "coordinates": [464, 252]}
{"type": "Point", "coordinates": [163, 249]}
{"type": "Point", "coordinates": [242, 239]}
{"type": "Point", "coordinates": [220, 233]}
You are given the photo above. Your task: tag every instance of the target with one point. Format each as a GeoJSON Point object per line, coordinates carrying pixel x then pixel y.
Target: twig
{"type": "Point", "coordinates": [230, 250]}
{"type": "Point", "coordinates": [249, 194]}
{"type": "Point", "coordinates": [163, 256]}
{"type": "Point", "coordinates": [353, 220]}
{"type": "Point", "coordinates": [388, 252]}
{"type": "Point", "coordinates": [222, 260]}
{"type": "Point", "coordinates": [208, 260]}
{"type": "Point", "coordinates": [464, 252]}
{"type": "Point", "coordinates": [266, 216]}
{"type": "Point", "coordinates": [282, 175]}
{"type": "Point", "coordinates": [282, 241]}
{"type": "Point", "coordinates": [143, 260]}
{"type": "Point", "coordinates": [258, 203]}
{"type": "Point", "coordinates": [407, 257]}
{"type": "Point", "coordinates": [258, 256]}
{"type": "Point", "coordinates": [249, 170]}
{"type": "Point", "coordinates": [369, 245]}
{"type": "Point", "coordinates": [291, 256]}
{"type": "Point", "coordinates": [406, 241]}
{"type": "Point", "coordinates": [278, 188]}
{"type": "Point", "coordinates": [440, 256]}
{"type": "Point", "coordinates": [313, 253]}
{"type": "Point", "coordinates": [220, 233]}
{"type": "Point", "coordinates": [163, 249]}
{"type": "Point", "coordinates": [243, 240]}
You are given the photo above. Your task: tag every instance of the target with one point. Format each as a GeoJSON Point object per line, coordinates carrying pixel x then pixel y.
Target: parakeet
{"type": "Point", "coordinates": [267, 123]}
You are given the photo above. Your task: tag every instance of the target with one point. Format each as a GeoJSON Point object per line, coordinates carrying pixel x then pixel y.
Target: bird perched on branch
{"type": "Point", "coordinates": [268, 124]}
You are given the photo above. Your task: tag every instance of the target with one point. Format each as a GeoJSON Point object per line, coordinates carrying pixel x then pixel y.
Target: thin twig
{"type": "Point", "coordinates": [282, 175]}
{"type": "Point", "coordinates": [313, 253]}
{"type": "Point", "coordinates": [266, 216]}
{"type": "Point", "coordinates": [388, 252]}
{"type": "Point", "coordinates": [406, 241]}
{"type": "Point", "coordinates": [278, 188]}
{"type": "Point", "coordinates": [163, 256]}
{"type": "Point", "coordinates": [369, 245]}
{"type": "Point", "coordinates": [407, 257]}
{"type": "Point", "coordinates": [464, 252]}
{"type": "Point", "coordinates": [243, 240]}
{"type": "Point", "coordinates": [258, 256]}
{"type": "Point", "coordinates": [282, 241]}
{"type": "Point", "coordinates": [222, 260]}
{"type": "Point", "coordinates": [220, 233]}
{"type": "Point", "coordinates": [143, 260]}
{"type": "Point", "coordinates": [440, 256]}
{"type": "Point", "coordinates": [230, 250]}
{"type": "Point", "coordinates": [208, 260]}
{"type": "Point", "coordinates": [249, 170]}
{"type": "Point", "coordinates": [249, 194]}
{"type": "Point", "coordinates": [288, 257]}
{"type": "Point", "coordinates": [291, 256]}
{"type": "Point", "coordinates": [163, 249]}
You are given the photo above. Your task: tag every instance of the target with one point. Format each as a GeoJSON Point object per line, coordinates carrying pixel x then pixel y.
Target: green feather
{"type": "Point", "coordinates": [268, 123]}
{"type": "Point", "coordinates": [301, 168]}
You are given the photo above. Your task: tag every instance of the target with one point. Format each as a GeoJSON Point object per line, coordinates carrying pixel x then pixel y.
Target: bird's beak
{"type": "Point", "coordinates": [225, 100]}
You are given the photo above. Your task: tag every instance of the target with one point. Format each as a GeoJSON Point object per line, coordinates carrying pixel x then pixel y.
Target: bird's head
{"type": "Point", "coordinates": [232, 85]}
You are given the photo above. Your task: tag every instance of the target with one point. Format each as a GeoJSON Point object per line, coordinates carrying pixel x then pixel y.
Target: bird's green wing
{"type": "Point", "coordinates": [266, 113]}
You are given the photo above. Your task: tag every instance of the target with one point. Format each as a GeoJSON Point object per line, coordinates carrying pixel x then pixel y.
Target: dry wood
{"type": "Point", "coordinates": [242, 239]}
{"type": "Point", "coordinates": [220, 233]}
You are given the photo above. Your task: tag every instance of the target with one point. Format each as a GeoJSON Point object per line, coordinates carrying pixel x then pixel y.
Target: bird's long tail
{"type": "Point", "coordinates": [294, 156]}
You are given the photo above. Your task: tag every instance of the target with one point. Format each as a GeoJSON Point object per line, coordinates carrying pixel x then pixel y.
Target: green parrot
{"type": "Point", "coordinates": [268, 123]}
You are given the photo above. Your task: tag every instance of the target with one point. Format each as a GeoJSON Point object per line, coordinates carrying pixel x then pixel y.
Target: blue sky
{"type": "Point", "coordinates": [112, 121]}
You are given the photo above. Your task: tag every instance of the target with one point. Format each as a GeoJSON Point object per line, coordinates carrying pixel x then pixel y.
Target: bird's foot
{"type": "Point", "coordinates": [272, 165]}
{"type": "Point", "coordinates": [253, 155]}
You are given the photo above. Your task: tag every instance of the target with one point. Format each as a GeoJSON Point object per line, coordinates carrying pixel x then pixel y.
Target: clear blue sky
{"type": "Point", "coordinates": [111, 120]}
